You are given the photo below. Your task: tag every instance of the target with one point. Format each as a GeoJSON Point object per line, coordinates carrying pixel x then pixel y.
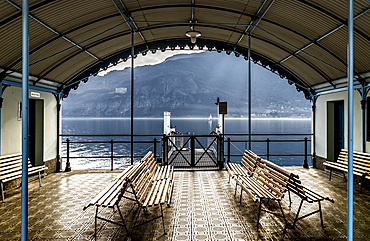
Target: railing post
{"type": "Point", "coordinates": [268, 149]}
{"type": "Point", "coordinates": [228, 149]}
{"type": "Point", "coordinates": [305, 164]}
{"type": "Point", "coordinates": [155, 149]}
{"type": "Point", "coordinates": [68, 164]}
{"type": "Point", "coordinates": [192, 150]}
{"type": "Point", "coordinates": [164, 150]}
{"type": "Point", "coordinates": [111, 154]}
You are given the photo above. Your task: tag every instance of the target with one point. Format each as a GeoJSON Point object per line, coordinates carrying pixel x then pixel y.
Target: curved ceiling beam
{"type": "Point", "coordinates": [231, 11]}
{"type": "Point", "coordinates": [19, 60]}
{"type": "Point", "coordinates": [333, 16]}
{"type": "Point", "coordinates": [31, 8]}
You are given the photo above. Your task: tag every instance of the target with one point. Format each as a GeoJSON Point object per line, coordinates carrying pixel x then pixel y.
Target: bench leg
{"type": "Point", "coordinates": [2, 192]}
{"type": "Point", "coordinates": [344, 176]}
{"type": "Point", "coordinates": [363, 180]}
{"type": "Point", "coordinates": [236, 186]}
{"type": "Point", "coordinates": [290, 199]}
{"type": "Point", "coordinates": [259, 213]}
{"type": "Point", "coordinates": [296, 217]}
{"type": "Point", "coordinates": [39, 179]}
{"type": "Point", "coordinates": [96, 220]}
{"type": "Point", "coordinates": [164, 230]}
{"type": "Point", "coordinates": [285, 220]}
{"type": "Point", "coordinates": [331, 170]}
{"type": "Point", "coordinates": [322, 222]}
{"type": "Point", "coordinates": [241, 194]}
{"type": "Point", "coordinates": [123, 221]}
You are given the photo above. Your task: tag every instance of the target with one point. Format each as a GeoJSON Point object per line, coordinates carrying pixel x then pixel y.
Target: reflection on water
{"type": "Point", "coordinates": [196, 126]}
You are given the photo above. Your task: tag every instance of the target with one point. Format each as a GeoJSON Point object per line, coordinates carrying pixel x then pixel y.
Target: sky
{"type": "Point", "coordinates": [149, 59]}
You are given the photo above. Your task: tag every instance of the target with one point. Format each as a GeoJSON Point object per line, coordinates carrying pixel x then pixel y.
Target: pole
{"type": "Point", "coordinates": [268, 149]}
{"type": "Point", "coordinates": [305, 163]}
{"type": "Point", "coordinates": [25, 123]}
{"type": "Point", "coordinates": [249, 94]}
{"type": "Point", "coordinates": [111, 154]}
{"type": "Point", "coordinates": [58, 133]}
{"type": "Point", "coordinates": [192, 150]}
{"type": "Point", "coordinates": [68, 164]}
{"type": "Point", "coordinates": [314, 130]}
{"type": "Point", "coordinates": [363, 108]}
{"type": "Point", "coordinates": [155, 149]}
{"type": "Point", "coordinates": [132, 97]}
{"type": "Point", "coordinates": [350, 121]}
{"type": "Point", "coordinates": [1, 107]}
{"type": "Point", "coordinates": [228, 149]}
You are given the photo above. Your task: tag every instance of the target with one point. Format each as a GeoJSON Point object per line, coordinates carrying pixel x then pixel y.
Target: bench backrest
{"type": "Point", "coordinates": [264, 178]}
{"type": "Point", "coordinates": [287, 180]}
{"type": "Point", "coordinates": [114, 191]}
{"type": "Point", "coordinates": [249, 161]}
{"type": "Point", "coordinates": [10, 164]}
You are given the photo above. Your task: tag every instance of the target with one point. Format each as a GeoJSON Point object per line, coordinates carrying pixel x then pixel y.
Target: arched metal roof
{"type": "Point", "coordinates": [305, 41]}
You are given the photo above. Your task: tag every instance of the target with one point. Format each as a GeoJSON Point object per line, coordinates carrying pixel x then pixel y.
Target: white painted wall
{"type": "Point", "coordinates": [322, 122]}
{"type": "Point", "coordinates": [11, 128]}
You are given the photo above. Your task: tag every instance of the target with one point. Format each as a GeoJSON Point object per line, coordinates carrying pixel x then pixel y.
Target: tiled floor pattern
{"type": "Point", "coordinates": [204, 208]}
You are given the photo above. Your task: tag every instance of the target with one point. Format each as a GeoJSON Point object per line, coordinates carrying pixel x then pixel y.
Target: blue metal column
{"type": "Point", "coordinates": [132, 96]}
{"type": "Point", "coordinates": [1, 107]}
{"type": "Point", "coordinates": [363, 109]}
{"type": "Point", "coordinates": [314, 98]}
{"type": "Point", "coordinates": [25, 123]}
{"type": "Point", "coordinates": [350, 121]}
{"type": "Point", "coordinates": [58, 169]}
{"type": "Point", "coordinates": [249, 95]}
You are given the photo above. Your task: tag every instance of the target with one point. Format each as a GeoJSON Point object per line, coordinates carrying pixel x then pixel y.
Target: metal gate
{"type": "Point", "coordinates": [188, 151]}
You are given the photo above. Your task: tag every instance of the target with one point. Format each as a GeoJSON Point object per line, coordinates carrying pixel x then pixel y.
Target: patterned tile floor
{"type": "Point", "coordinates": [204, 208]}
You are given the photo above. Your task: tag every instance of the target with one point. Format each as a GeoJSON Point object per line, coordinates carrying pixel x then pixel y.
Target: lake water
{"type": "Point", "coordinates": [99, 126]}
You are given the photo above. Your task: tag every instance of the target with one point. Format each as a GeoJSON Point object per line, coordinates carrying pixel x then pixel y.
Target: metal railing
{"type": "Point", "coordinates": [110, 155]}
{"type": "Point", "coordinates": [268, 141]}
{"type": "Point", "coordinates": [223, 146]}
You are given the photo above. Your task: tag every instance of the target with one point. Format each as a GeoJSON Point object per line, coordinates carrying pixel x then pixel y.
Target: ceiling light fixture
{"type": "Point", "coordinates": [193, 34]}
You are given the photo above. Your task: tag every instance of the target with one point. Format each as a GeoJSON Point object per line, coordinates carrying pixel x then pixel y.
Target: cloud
{"type": "Point", "coordinates": [149, 59]}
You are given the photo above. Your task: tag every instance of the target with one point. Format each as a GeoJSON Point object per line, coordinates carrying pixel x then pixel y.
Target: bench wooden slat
{"type": "Point", "coordinates": [30, 172]}
{"type": "Point", "coordinates": [6, 162]}
{"type": "Point", "coordinates": [342, 168]}
{"type": "Point", "coordinates": [246, 190]}
{"type": "Point", "coordinates": [160, 191]}
{"type": "Point", "coordinates": [11, 156]}
{"type": "Point", "coordinates": [361, 163]}
{"type": "Point", "coordinates": [12, 173]}
{"type": "Point", "coordinates": [157, 186]}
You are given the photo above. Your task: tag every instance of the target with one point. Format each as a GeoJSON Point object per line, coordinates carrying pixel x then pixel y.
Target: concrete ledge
{"type": "Point", "coordinates": [319, 162]}
{"type": "Point", "coordinates": [51, 164]}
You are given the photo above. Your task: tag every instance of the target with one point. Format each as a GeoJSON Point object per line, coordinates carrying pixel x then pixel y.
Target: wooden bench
{"type": "Point", "coordinates": [361, 164]}
{"type": "Point", "coordinates": [11, 169]}
{"type": "Point", "coordinates": [260, 187]}
{"type": "Point", "coordinates": [146, 184]}
{"type": "Point", "coordinates": [292, 183]}
{"type": "Point", "coordinates": [256, 184]}
{"type": "Point", "coordinates": [269, 181]}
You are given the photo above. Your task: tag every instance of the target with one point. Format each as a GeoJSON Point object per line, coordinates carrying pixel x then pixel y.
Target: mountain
{"type": "Point", "coordinates": [187, 85]}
